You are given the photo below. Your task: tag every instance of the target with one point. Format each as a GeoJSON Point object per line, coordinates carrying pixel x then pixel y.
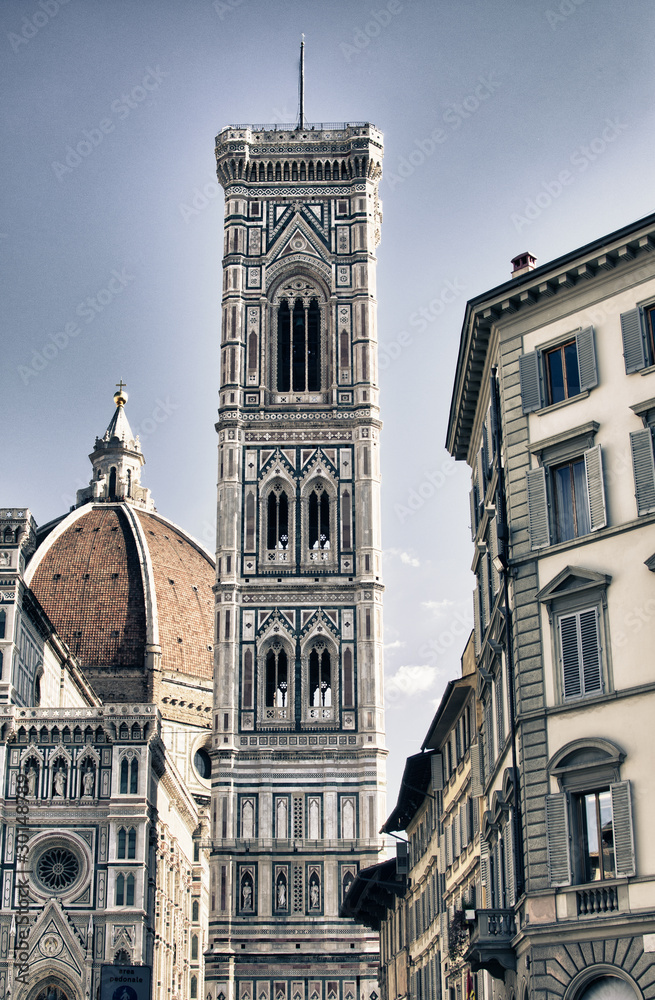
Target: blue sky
{"type": "Point", "coordinates": [510, 125]}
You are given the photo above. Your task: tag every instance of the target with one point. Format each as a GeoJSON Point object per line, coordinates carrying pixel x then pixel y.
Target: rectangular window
{"type": "Point", "coordinates": [571, 500]}
{"type": "Point", "coordinates": [580, 653]}
{"type": "Point", "coordinates": [596, 836]}
{"type": "Point", "coordinates": [576, 493]}
{"type": "Point", "coordinates": [562, 372]}
{"type": "Point", "coordinates": [552, 375]}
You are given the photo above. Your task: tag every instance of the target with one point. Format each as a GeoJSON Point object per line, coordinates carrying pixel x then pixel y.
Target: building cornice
{"type": "Point", "coordinates": [590, 262]}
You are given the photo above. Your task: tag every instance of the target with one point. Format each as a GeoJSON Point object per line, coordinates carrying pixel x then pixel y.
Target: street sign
{"type": "Point", "coordinates": [125, 982]}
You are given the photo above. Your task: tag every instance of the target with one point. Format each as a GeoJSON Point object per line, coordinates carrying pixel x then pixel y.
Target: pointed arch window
{"type": "Point", "coordinates": [320, 677]}
{"type": "Point", "coordinates": [348, 680]}
{"type": "Point", "coordinates": [319, 519]}
{"type": "Point", "coordinates": [277, 677]}
{"type": "Point", "coordinates": [277, 520]}
{"type": "Point", "coordinates": [298, 346]}
{"type": "Point", "coordinates": [129, 890]}
{"type": "Point", "coordinates": [134, 777]}
{"type": "Point", "coordinates": [247, 679]}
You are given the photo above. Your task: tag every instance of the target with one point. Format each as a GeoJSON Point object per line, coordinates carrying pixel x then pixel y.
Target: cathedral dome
{"type": "Point", "coordinates": [127, 590]}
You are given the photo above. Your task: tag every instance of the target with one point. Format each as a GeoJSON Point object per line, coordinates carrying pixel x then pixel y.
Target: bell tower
{"type": "Point", "coordinates": [298, 748]}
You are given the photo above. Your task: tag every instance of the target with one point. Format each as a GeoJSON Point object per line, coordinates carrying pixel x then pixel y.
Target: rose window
{"type": "Point", "coordinates": [57, 868]}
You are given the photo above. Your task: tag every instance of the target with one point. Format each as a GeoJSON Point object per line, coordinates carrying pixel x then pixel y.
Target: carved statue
{"type": "Point", "coordinates": [88, 782]}
{"type": "Point", "coordinates": [60, 782]}
{"type": "Point", "coordinates": [31, 774]}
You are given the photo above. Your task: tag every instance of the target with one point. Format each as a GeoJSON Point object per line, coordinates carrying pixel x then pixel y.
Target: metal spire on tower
{"type": "Point", "coordinates": [301, 115]}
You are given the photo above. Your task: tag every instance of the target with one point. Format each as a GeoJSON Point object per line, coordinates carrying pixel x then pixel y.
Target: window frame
{"type": "Point", "coordinates": [571, 593]}
{"type": "Point", "coordinates": [587, 766]}
{"type": "Point", "coordinates": [543, 525]}
{"type": "Point", "coordinates": [534, 375]}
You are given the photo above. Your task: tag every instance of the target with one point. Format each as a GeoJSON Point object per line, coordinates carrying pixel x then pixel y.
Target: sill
{"type": "Point", "coordinates": [647, 371]}
{"type": "Point", "coordinates": [562, 402]}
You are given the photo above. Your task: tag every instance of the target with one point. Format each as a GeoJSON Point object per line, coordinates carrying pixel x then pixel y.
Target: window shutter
{"type": "Point", "coordinates": [436, 765]}
{"type": "Point", "coordinates": [477, 624]}
{"type": "Point", "coordinates": [537, 508]}
{"type": "Point", "coordinates": [590, 645]}
{"type": "Point", "coordinates": [500, 721]}
{"type": "Point", "coordinates": [484, 867]}
{"type": "Point", "coordinates": [449, 847]}
{"type": "Point", "coordinates": [634, 352]}
{"type": "Point", "coordinates": [530, 378]}
{"type": "Point", "coordinates": [484, 584]}
{"type": "Point", "coordinates": [473, 500]}
{"type": "Point", "coordinates": [595, 493]}
{"type": "Point", "coordinates": [587, 358]}
{"type": "Point", "coordinates": [568, 631]}
{"type": "Point", "coordinates": [457, 840]}
{"type": "Point", "coordinates": [557, 839]}
{"type": "Point", "coordinates": [489, 734]}
{"type": "Point", "coordinates": [643, 465]}
{"type": "Point", "coordinates": [476, 768]}
{"type": "Point", "coordinates": [509, 861]}
{"type": "Point", "coordinates": [481, 474]}
{"type": "Point", "coordinates": [493, 550]}
{"type": "Point", "coordinates": [624, 848]}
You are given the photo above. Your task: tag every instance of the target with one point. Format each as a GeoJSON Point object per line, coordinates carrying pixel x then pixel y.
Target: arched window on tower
{"type": "Point", "coordinates": [277, 520]}
{"type": "Point", "coordinates": [112, 483]}
{"type": "Point", "coordinates": [348, 680]}
{"type": "Point", "coordinates": [3, 623]}
{"type": "Point", "coordinates": [319, 519]}
{"type": "Point", "coordinates": [277, 678]}
{"type": "Point", "coordinates": [298, 346]}
{"type": "Point", "coordinates": [134, 777]}
{"type": "Point", "coordinates": [320, 677]}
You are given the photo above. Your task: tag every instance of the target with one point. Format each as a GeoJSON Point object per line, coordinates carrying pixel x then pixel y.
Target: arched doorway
{"type": "Point", "coordinates": [608, 988]}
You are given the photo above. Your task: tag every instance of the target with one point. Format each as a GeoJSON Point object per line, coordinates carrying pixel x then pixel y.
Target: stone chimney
{"type": "Point", "coordinates": [522, 264]}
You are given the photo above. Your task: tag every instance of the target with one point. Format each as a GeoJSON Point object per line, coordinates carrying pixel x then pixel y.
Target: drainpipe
{"type": "Point", "coordinates": [502, 565]}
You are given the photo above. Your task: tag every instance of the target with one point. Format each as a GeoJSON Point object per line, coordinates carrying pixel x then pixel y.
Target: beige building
{"type": "Point", "coordinates": [422, 901]}
{"type": "Point", "coordinates": [553, 409]}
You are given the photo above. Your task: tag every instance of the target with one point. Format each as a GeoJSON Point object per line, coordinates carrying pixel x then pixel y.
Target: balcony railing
{"type": "Point", "coordinates": [490, 946]}
{"type": "Point", "coordinates": [601, 899]}
{"type": "Point", "coordinates": [294, 127]}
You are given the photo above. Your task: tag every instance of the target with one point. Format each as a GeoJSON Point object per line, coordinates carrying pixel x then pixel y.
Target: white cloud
{"type": "Point", "coordinates": [439, 608]}
{"type": "Point", "coordinates": [409, 681]}
{"type": "Point", "coordinates": [396, 644]}
{"type": "Point", "coordinates": [403, 556]}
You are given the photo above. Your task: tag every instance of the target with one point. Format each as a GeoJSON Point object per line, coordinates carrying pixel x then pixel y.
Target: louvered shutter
{"type": "Point", "coordinates": [493, 550]}
{"type": "Point", "coordinates": [484, 869]}
{"type": "Point", "coordinates": [481, 474]}
{"type": "Point", "coordinates": [436, 766]}
{"type": "Point", "coordinates": [484, 586]}
{"type": "Point", "coordinates": [590, 646]}
{"type": "Point", "coordinates": [500, 720]}
{"type": "Point", "coordinates": [530, 379]}
{"type": "Point", "coordinates": [448, 837]}
{"type": "Point", "coordinates": [476, 768]}
{"type": "Point", "coordinates": [595, 492]}
{"type": "Point", "coordinates": [509, 861]}
{"type": "Point", "coordinates": [462, 826]}
{"type": "Point", "coordinates": [570, 654]}
{"type": "Point", "coordinates": [634, 348]}
{"type": "Point", "coordinates": [477, 624]}
{"type": "Point", "coordinates": [641, 443]}
{"type": "Point", "coordinates": [587, 358]}
{"type": "Point", "coordinates": [624, 848]}
{"type": "Point", "coordinates": [473, 500]}
{"type": "Point", "coordinates": [537, 508]}
{"type": "Point", "coordinates": [557, 839]}
{"type": "Point", "coordinates": [457, 846]}
{"type": "Point", "coordinates": [489, 734]}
